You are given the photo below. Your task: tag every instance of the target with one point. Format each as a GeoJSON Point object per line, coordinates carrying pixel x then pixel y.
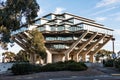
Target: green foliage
{"type": "Point", "coordinates": [12, 12]}
{"type": "Point", "coordinates": [109, 63]}
{"type": "Point", "coordinates": [37, 41]}
{"type": "Point", "coordinates": [103, 53]}
{"type": "Point", "coordinates": [26, 68]}
{"type": "Point", "coordinates": [10, 56]}
{"type": "Point", "coordinates": [117, 63]}
{"type": "Point", "coordinates": [67, 65]}
{"type": "Point", "coordinates": [22, 56]}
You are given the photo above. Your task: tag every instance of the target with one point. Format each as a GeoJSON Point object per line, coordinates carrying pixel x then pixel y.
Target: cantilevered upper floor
{"type": "Point", "coordinates": [68, 22]}
{"type": "Point", "coordinates": [69, 35]}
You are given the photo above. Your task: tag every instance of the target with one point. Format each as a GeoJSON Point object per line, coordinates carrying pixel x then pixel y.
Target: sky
{"type": "Point", "coordinates": [106, 12]}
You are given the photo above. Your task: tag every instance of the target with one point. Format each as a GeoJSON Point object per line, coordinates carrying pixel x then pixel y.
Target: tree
{"type": "Point", "coordinates": [11, 14]}
{"type": "Point", "coordinates": [9, 56]}
{"type": "Point", "coordinates": [37, 44]}
{"type": "Point", "coordinates": [103, 53]}
{"type": "Point", "coordinates": [22, 56]}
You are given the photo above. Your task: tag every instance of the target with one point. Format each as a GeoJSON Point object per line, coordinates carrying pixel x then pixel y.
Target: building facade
{"type": "Point", "coordinates": [69, 37]}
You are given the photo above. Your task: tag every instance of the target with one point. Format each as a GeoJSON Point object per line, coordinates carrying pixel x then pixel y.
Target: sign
{"type": "Point", "coordinates": [113, 55]}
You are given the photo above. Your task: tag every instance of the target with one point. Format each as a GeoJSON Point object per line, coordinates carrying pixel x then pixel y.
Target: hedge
{"type": "Point", "coordinates": [26, 68]}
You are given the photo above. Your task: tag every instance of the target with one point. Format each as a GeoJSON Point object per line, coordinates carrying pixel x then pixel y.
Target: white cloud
{"type": "Point", "coordinates": [105, 10]}
{"type": "Point", "coordinates": [101, 18]}
{"type": "Point", "coordinates": [116, 16]}
{"type": "Point", "coordinates": [117, 32]}
{"type": "Point", "coordinates": [104, 3]}
{"type": "Point", "coordinates": [59, 10]}
{"type": "Point", "coordinates": [40, 12]}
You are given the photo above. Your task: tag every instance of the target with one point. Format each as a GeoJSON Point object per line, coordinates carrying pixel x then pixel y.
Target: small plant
{"type": "Point", "coordinates": [109, 63]}
{"type": "Point", "coordinates": [117, 63]}
{"type": "Point", "coordinates": [26, 68]}
{"type": "Point", "coordinates": [63, 66]}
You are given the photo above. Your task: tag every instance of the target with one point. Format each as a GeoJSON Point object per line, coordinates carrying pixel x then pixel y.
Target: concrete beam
{"type": "Point", "coordinates": [49, 56]}
{"type": "Point", "coordinates": [20, 39]}
{"type": "Point", "coordinates": [87, 42]}
{"type": "Point", "coordinates": [19, 44]}
{"type": "Point", "coordinates": [94, 44]}
{"type": "Point", "coordinates": [100, 46]}
{"type": "Point", "coordinates": [76, 56]}
{"type": "Point", "coordinates": [74, 45]}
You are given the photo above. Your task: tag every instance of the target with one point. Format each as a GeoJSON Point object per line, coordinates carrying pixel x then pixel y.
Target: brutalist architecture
{"type": "Point", "coordinates": [69, 37]}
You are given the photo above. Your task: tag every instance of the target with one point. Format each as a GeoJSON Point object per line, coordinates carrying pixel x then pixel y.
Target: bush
{"type": "Point", "coordinates": [75, 67]}
{"type": "Point", "coordinates": [62, 66]}
{"type": "Point", "coordinates": [24, 68]}
{"type": "Point", "coordinates": [117, 63]}
{"type": "Point", "coordinates": [109, 63]}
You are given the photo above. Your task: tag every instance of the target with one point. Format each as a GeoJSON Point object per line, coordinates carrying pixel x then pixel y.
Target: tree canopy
{"type": "Point", "coordinates": [9, 56]}
{"type": "Point", "coordinates": [37, 43]}
{"type": "Point", "coordinates": [12, 13]}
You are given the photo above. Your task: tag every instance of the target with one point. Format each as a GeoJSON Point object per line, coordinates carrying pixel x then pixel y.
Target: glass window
{"type": "Point", "coordinates": [37, 22]}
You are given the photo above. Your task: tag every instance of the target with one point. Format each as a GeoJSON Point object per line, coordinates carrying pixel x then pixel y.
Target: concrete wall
{"type": "Point", "coordinates": [57, 57]}
{"type": "Point", "coordinates": [5, 66]}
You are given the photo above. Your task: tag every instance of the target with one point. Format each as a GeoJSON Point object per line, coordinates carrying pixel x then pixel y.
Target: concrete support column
{"type": "Point", "coordinates": [75, 58]}
{"type": "Point", "coordinates": [84, 57]}
{"type": "Point", "coordinates": [66, 57]}
{"type": "Point", "coordinates": [91, 58]}
{"type": "Point", "coordinates": [32, 58]}
{"type": "Point", "coordinates": [49, 57]}
{"type": "Point", "coordinates": [113, 39]}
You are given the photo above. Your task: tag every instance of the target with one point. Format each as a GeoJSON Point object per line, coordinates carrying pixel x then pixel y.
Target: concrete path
{"type": "Point", "coordinates": [93, 73]}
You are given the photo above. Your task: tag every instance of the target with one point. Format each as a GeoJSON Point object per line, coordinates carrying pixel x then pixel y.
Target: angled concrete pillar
{"type": "Point", "coordinates": [74, 45]}
{"type": "Point", "coordinates": [75, 58]}
{"type": "Point", "coordinates": [84, 57]}
{"type": "Point", "coordinates": [21, 45]}
{"type": "Point", "coordinates": [22, 35]}
{"type": "Point", "coordinates": [49, 56]}
{"type": "Point", "coordinates": [87, 42]}
{"type": "Point", "coordinates": [33, 58]}
{"type": "Point", "coordinates": [66, 57]}
{"type": "Point", "coordinates": [20, 39]}
{"type": "Point", "coordinates": [91, 58]}
{"type": "Point", "coordinates": [94, 44]}
{"type": "Point", "coordinates": [100, 46]}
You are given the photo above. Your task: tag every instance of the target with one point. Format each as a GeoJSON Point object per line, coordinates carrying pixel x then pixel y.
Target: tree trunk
{"type": "Point", "coordinates": [32, 58]}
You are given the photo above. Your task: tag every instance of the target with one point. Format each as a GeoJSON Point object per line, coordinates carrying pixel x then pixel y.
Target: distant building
{"type": "Point", "coordinates": [69, 37]}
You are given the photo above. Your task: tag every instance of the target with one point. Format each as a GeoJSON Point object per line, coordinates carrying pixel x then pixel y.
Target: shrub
{"type": "Point", "coordinates": [24, 68]}
{"type": "Point", "coordinates": [117, 63]}
{"type": "Point", "coordinates": [109, 63]}
{"type": "Point", "coordinates": [75, 67]}
{"type": "Point", "coordinates": [62, 66]}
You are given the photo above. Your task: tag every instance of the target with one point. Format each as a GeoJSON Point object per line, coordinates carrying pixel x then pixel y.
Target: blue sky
{"type": "Point", "coordinates": [106, 12]}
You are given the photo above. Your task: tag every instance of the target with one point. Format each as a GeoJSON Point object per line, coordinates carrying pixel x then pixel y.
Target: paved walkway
{"type": "Point", "coordinates": [93, 73]}
{"type": "Point", "coordinates": [109, 70]}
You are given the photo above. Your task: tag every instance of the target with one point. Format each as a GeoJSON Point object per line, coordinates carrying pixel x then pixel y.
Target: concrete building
{"type": "Point", "coordinates": [69, 37]}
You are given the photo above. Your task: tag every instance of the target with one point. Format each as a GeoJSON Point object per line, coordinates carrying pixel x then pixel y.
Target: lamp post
{"type": "Point", "coordinates": [113, 39]}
